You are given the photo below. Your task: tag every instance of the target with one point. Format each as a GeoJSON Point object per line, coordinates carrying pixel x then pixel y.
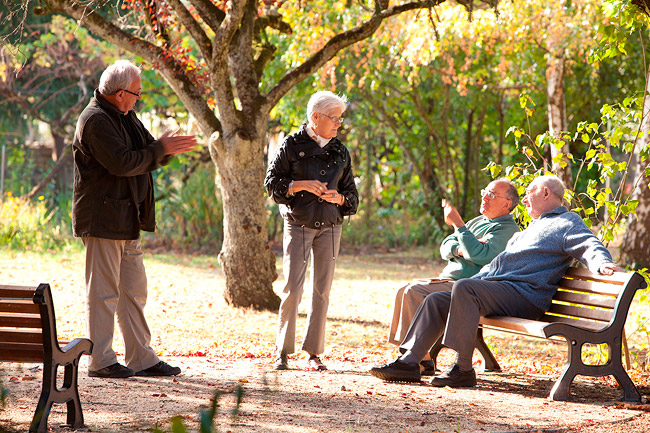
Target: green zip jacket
{"type": "Point", "coordinates": [480, 240]}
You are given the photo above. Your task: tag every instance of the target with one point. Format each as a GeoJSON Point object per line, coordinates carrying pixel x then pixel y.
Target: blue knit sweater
{"type": "Point", "coordinates": [535, 259]}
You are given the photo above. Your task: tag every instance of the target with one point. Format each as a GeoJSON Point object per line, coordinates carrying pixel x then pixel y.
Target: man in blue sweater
{"type": "Point", "coordinates": [519, 282]}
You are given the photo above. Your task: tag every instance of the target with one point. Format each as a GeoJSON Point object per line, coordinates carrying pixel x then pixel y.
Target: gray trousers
{"type": "Point", "coordinates": [456, 315]}
{"type": "Point", "coordinates": [300, 243]}
{"type": "Point", "coordinates": [407, 301]}
{"type": "Point", "coordinates": [117, 283]}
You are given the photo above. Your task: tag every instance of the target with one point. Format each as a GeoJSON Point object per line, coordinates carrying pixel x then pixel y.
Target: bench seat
{"type": "Point", "coordinates": [586, 309]}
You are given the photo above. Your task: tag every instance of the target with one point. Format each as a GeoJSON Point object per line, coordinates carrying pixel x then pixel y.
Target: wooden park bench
{"type": "Point", "coordinates": [587, 309]}
{"type": "Point", "coordinates": [28, 334]}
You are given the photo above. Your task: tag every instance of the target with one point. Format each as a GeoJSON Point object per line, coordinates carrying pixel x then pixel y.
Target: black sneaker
{"type": "Point", "coordinates": [428, 368]}
{"type": "Point", "coordinates": [115, 371]}
{"type": "Point", "coordinates": [398, 371]}
{"type": "Point", "coordinates": [160, 369]}
{"type": "Point", "coordinates": [453, 377]}
{"type": "Point", "coordinates": [281, 362]}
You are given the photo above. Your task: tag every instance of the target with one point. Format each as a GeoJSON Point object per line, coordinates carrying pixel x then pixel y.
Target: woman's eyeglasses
{"type": "Point", "coordinates": [334, 119]}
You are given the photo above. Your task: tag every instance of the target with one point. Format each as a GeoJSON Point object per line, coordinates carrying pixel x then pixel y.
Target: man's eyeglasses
{"type": "Point", "coordinates": [334, 119]}
{"type": "Point", "coordinates": [491, 195]}
{"type": "Point", "coordinates": [138, 95]}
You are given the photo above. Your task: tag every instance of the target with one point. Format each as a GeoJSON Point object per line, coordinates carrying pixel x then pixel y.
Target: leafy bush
{"type": "Point", "coordinates": [26, 223]}
{"type": "Point", "coordinates": [190, 213]}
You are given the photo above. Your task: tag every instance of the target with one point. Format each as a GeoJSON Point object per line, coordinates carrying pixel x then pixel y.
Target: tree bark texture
{"type": "Point", "coordinates": [635, 248]}
{"type": "Point", "coordinates": [557, 122]}
{"type": "Point", "coordinates": [246, 259]}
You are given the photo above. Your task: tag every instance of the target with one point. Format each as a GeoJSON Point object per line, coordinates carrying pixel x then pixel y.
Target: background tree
{"type": "Point", "coordinates": [217, 58]}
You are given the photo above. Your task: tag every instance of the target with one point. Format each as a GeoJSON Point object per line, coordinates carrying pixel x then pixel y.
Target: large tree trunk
{"type": "Point", "coordinates": [557, 122]}
{"type": "Point", "coordinates": [635, 248]}
{"type": "Point", "coordinates": [246, 259]}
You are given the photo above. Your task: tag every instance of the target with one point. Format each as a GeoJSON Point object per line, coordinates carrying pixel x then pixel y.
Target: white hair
{"type": "Point", "coordinates": [325, 101]}
{"type": "Point", "coordinates": [553, 183]}
{"type": "Point", "coordinates": [118, 76]}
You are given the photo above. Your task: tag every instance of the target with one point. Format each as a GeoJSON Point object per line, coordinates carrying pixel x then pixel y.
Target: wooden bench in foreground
{"type": "Point", "coordinates": [28, 334]}
{"type": "Point", "coordinates": [587, 309]}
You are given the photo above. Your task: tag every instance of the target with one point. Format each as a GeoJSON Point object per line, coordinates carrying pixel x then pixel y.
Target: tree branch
{"type": "Point", "coordinates": [178, 80]}
{"type": "Point", "coordinates": [192, 26]}
{"type": "Point", "coordinates": [211, 15]}
{"type": "Point", "coordinates": [336, 44]}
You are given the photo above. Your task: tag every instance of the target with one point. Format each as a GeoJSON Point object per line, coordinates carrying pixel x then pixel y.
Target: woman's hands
{"type": "Point", "coordinates": [332, 196]}
{"type": "Point", "coordinates": [319, 189]}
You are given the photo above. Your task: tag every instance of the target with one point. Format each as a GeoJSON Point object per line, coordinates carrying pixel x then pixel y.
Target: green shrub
{"type": "Point", "coordinates": [25, 223]}
{"type": "Point", "coordinates": [189, 213]}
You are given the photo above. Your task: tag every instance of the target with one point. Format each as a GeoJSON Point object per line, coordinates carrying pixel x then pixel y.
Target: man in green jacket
{"type": "Point", "coordinates": [467, 250]}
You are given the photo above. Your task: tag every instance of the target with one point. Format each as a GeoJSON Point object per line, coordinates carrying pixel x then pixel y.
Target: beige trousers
{"type": "Point", "coordinates": [116, 282]}
{"type": "Point", "coordinates": [407, 301]}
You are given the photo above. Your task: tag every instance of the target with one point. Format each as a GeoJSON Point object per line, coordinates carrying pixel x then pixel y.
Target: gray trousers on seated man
{"type": "Point", "coordinates": [456, 314]}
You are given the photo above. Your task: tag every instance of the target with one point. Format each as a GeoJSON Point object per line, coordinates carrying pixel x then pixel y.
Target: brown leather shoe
{"type": "Point", "coordinates": [314, 363]}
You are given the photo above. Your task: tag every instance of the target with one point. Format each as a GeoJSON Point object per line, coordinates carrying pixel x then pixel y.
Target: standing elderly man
{"type": "Point", "coordinates": [519, 282]}
{"type": "Point", "coordinates": [467, 250]}
{"type": "Point", "coordinates": [113, 200]}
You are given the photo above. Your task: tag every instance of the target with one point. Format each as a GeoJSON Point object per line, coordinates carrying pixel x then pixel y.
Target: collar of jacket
{"type": "Point", "coordinates": [303, 136]}
{"type": "Point", "coordinates": [112, 109]}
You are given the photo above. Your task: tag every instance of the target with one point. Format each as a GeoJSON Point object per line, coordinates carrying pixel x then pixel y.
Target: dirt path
{"type": "Point", "coordinates": [343, 399]}
{"type": "Point", "coordinates": [188, 317]}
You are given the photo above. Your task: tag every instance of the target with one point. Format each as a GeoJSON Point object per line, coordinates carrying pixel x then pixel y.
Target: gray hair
{"type": "Point", "coordinates": [118, 76]}
{"type": "Point", "coordinates": [511, 193]}
{"type": "Point", "coordinates": [325, 101]}
{"type": "Point", "coordinates": [553, 183]}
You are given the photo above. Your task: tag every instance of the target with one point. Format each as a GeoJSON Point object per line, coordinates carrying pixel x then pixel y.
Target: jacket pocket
{"type": "Point", "coordinates": [117, 215]}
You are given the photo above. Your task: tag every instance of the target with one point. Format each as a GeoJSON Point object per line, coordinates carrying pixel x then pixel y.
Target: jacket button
{"type": "Point", "coordinates": [317, 224]}
{"type": "Point", "coordinates": [320, 199]}
{"type": "Point", "coordinates": [322, 172]}
{"type": "Point", "coordinates": [301, 154]}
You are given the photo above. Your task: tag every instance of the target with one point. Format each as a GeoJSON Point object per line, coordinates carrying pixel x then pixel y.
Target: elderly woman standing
{"type": "Point", "coordinates": [311, 178]}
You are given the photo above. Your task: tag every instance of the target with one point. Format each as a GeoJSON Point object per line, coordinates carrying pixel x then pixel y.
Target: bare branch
{"type": "Point", "coordinates": [192, 26]}
{"type": "Point", "coordinates": [211, 15]}
{"type": "Point", "coordinates": [220, 73]}
{"type": "Point", "coordinates": [337, 43]}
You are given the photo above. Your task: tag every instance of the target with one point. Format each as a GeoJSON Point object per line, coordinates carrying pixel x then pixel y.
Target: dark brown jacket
{"type": "Point", "coordinates": [114, 155]}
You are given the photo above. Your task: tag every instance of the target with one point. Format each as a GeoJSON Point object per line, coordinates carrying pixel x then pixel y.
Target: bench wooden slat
{"type": "Point", "coordinates": [585, 299]}
{"type": "Point", "coordinates": [599, 314]}
{"type": "Point", "coordinates": [17, 320]}
{"type": "Point", "coordinates": [10, 335]}
{"type": "Point", "coordinates": [29, 352]}
{"type": "Point", "coordinates": [517, 324]}
{"type": "Point", "coordinates": [591, 287]}
{"type": "Point", "coordinates": [617, 278]}
{"type": "Point", "coordinates": [24, 292]}
{"type": "Point", "coordinates": [586, 324]}
{"type": "Point", "coordinates": [18, 306]}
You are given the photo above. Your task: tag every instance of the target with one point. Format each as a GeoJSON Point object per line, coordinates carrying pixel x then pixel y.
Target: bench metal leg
{"type": "Point", "coordinates": [68, 393]}
{"type": "Point", "coordinates": [491, 363]}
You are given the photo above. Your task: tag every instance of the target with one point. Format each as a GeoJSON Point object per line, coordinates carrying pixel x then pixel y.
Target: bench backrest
{"type": "Point", "coordinates": [590, 300]}
{"type": "Point", "coordinates": [22, 322]}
